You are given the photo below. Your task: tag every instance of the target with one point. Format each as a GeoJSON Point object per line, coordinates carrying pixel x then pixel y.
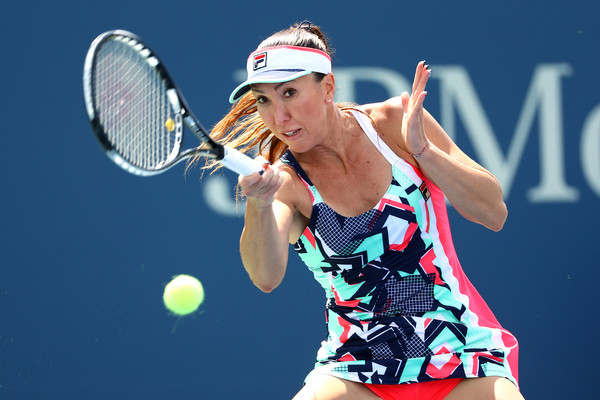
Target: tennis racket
{"type": "Point", "coordinates": [137, 112]}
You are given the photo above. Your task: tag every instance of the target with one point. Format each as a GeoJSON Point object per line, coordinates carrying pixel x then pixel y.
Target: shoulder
{"type": "Point", "coordinates": [291, 180]}
{"type": "Point", "coordinates": [387, 118]}
{"type": "Point", "coordinates": [385, 112]}
{"type": "Point", "coordinates": [294, 197]}
{"type": "Point", "coordinates": [293, 192]}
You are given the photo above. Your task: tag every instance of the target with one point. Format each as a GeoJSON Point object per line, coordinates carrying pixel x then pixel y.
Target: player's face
{"type": "Point", "coordinates": [294, 111]}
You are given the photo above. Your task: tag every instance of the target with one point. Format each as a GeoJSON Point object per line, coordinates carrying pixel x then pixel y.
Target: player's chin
{"type": "Point", "coordinates": [299, 148]}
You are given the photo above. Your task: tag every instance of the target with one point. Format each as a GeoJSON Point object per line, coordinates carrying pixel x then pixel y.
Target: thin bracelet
{"type": "Point", "coordinates": [424, 148]}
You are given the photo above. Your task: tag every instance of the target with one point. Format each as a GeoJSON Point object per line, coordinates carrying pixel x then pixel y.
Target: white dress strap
{"type": "Point", "coordinates": [369, 129]}
{"type": "Point", "coordinates": [394, 160]}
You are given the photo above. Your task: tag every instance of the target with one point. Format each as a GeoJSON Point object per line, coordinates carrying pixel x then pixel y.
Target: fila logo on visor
{"type": "Point", "coordinates": [260, 61]}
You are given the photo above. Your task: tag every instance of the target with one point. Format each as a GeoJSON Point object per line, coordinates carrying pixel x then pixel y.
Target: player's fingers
{"type": "Point", "coordinates": [405, 99]}
{"type": "Point", "coordinates": [418, 74]}
{"type": "Point", "coordinates": [421, 99]}
{"type": "Point", "coordinates": [244, 181]}
{"type": "Point", "coordinates": [264, 185]}
{"type": "Point", "coordinates": [423, 78]}
{"type": "Point", "coordinates": [277, 181]}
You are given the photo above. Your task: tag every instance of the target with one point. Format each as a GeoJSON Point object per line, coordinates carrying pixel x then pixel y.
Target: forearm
{"type": "Point", "coordinates": [474, 192]}
{"type": "Point", "coordinates": [263, 247]}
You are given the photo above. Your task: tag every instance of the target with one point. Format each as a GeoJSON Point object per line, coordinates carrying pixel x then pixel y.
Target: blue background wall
{"type": "Point", "coordinates": [86, 249]}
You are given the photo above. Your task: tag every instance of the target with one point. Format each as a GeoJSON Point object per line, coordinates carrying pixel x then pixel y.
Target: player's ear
{"type": "Point", "coordinates": [328, 84]}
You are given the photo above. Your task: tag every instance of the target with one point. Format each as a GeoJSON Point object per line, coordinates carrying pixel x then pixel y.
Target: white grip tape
{"type": "Point", "coordinates": [239, 162]}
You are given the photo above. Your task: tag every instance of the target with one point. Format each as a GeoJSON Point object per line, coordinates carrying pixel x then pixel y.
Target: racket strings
{"type": "Point", "coordinates": [133, 106]}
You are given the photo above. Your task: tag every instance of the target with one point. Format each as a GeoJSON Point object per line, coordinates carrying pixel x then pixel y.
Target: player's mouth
{"type": "Point", "coordinates": [292, 133]}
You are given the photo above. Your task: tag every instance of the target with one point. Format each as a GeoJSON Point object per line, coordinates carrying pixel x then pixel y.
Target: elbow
{"type": "Point", "coordinates": [493, 218]}
{"type": "Point", "coordinates": [267, 283]}
{"type": "Point", "coordinates": [264, 287]}
{"type": "Point", "coordinates": [496, 227]}
{"type": "Point", "coordinates": [496, 223]}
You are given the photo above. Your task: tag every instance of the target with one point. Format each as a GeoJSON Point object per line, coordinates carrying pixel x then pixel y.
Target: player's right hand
{"type": "Point", "coordinates": [260, 188]}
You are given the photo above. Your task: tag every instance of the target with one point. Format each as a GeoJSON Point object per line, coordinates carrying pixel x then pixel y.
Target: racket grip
{"type": "Point", "coordinates": [239, 162]}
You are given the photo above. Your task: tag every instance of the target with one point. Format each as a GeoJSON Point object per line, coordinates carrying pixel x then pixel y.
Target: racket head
{"type": "Point", "coordinates": [132, 103]}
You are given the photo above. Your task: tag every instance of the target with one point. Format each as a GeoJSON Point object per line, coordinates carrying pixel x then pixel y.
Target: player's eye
{"type": "Point", "coordinates": [261, 100]}
{"type": "Point", "coordinates": [289, 92]}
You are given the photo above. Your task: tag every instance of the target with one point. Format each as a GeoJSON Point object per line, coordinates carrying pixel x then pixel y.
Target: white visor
{"type": "Point", "coordinates": [281, 64]}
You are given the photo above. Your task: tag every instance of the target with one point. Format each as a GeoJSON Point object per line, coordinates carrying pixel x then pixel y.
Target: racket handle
{"type": "Point", "coordinates": [239, 162]}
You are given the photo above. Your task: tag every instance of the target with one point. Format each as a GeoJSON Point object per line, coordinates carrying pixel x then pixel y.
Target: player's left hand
{"type": "Point", "coordinates": [413, 128]}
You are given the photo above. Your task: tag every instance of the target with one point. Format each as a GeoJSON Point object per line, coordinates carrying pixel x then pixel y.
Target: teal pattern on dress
{"type": "Point", "coordinates": [396, 308]}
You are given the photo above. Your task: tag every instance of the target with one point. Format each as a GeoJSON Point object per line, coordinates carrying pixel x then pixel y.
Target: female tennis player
{"type": "Point", "coordinates": [359, 192]}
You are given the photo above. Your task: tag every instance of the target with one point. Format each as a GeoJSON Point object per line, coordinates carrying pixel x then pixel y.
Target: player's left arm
{"type": "Point", "coordinates": [416, 136]}
{"type": "Point", "coordinates": [471, 189]}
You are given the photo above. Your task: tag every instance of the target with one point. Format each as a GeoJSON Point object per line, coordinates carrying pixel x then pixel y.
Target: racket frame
{"type": "Point", "coordinates": [229, 157]}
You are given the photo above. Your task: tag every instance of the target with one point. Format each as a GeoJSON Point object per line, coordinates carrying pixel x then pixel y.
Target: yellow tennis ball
{"type": "Point", "coordinates": [170, 125]}
{"type": "Point", "coordinates": [183, 295]}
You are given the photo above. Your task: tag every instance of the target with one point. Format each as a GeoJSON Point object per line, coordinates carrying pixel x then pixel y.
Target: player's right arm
{"type": "Point", "coordinates": [269, 219]}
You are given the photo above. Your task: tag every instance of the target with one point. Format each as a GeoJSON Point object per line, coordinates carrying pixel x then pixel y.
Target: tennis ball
{"type": "Point", "coordinates": [183, 295]}
{"type": "Point", "coordinates": [170, 125]}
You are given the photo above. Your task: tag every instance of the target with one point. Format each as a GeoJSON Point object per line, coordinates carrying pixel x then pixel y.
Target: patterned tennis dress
{"type": "Point", "coordinates": [399, 306]}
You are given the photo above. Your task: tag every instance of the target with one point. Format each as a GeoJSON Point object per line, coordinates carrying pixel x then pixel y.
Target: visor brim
{"type": "Point", "coordinates": [273, 76]}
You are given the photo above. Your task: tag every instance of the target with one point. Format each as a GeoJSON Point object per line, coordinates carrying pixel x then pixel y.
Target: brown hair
{"type": "Point", "coordinates": [242, 127]}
